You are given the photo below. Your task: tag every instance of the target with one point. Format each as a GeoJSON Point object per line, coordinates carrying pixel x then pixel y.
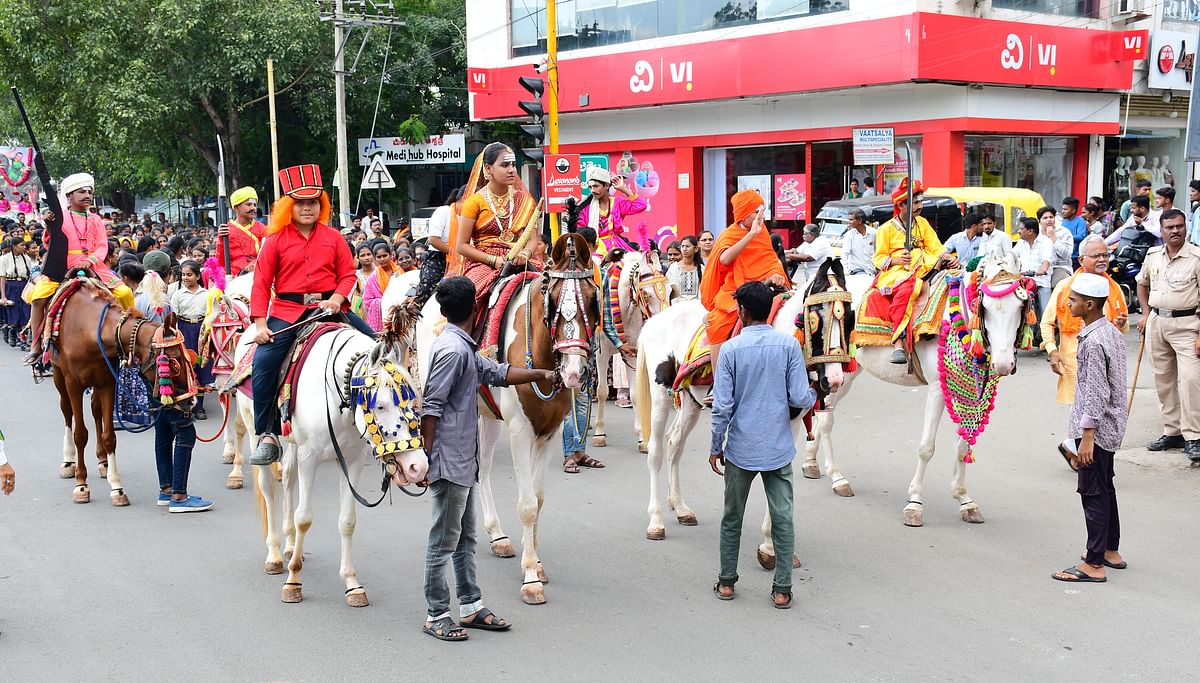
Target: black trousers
{"type": "Point", "coordinates": [1099, 498]}
{"type": "Point", "coordinates": [433, 269]}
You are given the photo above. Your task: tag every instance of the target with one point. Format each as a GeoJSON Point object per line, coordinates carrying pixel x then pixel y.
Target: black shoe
{"type": "Point", "coordinates": [199, 414]}
{"type": "Point", "coordinates": [899, 357]}
{"type": "Point", "coordinates": [1192, 450]}
{"type": "Point", "coordinates": [1166, 443]}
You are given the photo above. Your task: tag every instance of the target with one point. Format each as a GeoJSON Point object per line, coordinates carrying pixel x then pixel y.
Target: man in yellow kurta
{"type": "Point", "coordinates": [901, 271]}
{"type": "Point", "coordinates": [742, 253]}
{"type": "Point", "coordinates": [1093, 258]}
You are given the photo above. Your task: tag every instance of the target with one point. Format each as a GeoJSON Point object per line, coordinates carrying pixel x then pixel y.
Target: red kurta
{"type": "Point", "coordinates": [291, 264]}
{"type": "Point", "coordinates": [244, 244]}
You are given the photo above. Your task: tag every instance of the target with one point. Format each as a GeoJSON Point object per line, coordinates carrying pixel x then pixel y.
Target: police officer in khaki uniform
{"type": "Point", "coordinates": [1169, 290]}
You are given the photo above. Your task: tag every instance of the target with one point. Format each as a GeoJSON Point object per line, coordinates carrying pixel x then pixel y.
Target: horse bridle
{"type": "Point", "coordinates": [158, 344]}
{"type": "Point", "coordinates": [570, 309]}
{"type": "Point", "coordinates": [639, 283]}
{"type": "Point", "coordinates": [998, 286]}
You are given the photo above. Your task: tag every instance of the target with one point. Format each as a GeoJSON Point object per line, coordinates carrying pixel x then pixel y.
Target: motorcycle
{"type": "Point", "coordinates": [1127, 261]}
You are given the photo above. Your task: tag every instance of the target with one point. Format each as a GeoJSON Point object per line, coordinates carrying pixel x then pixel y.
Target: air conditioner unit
{"type": "Point", "coordinates": [1125, 8]}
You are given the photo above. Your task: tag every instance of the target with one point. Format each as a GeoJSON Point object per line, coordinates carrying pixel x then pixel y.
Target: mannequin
{"type": "Point", "coordinates": [1168, 177]}
{"type": "Point", "coordinates": [1156, 175]}
{"type": "Point", "coordinates": [1140, 172]}
{"type": "Point", "coordinates": [1119, 182]}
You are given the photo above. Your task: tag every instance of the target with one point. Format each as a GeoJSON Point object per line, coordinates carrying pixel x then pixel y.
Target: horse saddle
{"type": "Point", "coordinates": [923, 320]}
{"type": "Point", "coordinates": [696, 369]}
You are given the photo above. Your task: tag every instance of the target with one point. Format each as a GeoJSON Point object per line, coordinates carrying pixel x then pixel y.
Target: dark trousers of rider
{"type": "Point", "coordinates": [780, 504]}
{"type": "Point", "coordinates": [1099, 497]}
{"type": "Point", "coordinates": [268, 359]}
{"type": "Point", "coordinates": [451, 541]}
{"type": "Point", "coordinates": [174, 439]}
{"type": "Point", "coordinates": [433, 269]}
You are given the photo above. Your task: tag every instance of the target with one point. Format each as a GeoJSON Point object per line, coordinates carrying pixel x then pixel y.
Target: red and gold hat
{"type": "Point", "coordinates": [901, 193]}
{"type": "Point", "coordinates": [301, 182]}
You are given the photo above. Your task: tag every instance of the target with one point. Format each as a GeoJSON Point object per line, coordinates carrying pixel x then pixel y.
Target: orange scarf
{"type": "Point", "coordinates": [1069, 325]}
{"type": "Point", "coordinates": [384, 275]}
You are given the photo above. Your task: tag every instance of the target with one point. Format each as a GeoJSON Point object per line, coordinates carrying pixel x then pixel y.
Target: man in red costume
{"type": "Point", "coordinates": [742, 253]}
{"type": "Point", "coordinates": [245, 234]}
{"type": "Point", "coordinates": [311, 270]}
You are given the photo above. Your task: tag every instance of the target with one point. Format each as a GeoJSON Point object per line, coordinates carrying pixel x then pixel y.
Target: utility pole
{"type": "Point", "coordinates": [552, 98]}
{"type": "Point", "coordinates": [346, 15]}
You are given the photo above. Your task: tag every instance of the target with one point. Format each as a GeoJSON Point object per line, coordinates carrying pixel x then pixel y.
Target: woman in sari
{"type": "Point", "coordinates": [377, 283]}
{"type": "Point", "coordinates": [495, 218]}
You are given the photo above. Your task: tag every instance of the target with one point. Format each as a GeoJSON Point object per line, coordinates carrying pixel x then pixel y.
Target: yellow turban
{"type": "Point", "coordinates": [242, 194]}
{"type": "Point", "coordinates": [745, 203]}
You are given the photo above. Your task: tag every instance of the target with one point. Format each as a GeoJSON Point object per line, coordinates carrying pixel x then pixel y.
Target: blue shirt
{"type": "Point", "coordinates": [1078, 228]}
{"type": "Point", "coordinates": [1194, 233]}
{"type": "Point", "coordinates": [751, 424]}
{"type": "Point", "coordinates": [964, 247]}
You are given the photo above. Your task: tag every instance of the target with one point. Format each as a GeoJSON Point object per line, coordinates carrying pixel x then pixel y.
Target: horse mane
{"type": "Point", "coordinates": [397, 325]}
{"type": "Point", "coordinates": [821, 282]}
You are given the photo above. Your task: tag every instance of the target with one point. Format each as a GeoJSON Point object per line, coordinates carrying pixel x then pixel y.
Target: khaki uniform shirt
{"type": "Point", "coordinates": [1175, 283]}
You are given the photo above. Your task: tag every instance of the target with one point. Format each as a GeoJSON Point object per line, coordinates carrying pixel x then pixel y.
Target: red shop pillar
{"type": "Point", "coordinates": [942, 158]}
{"type": "Point", "coordinates": [1079, 172]}
{"type": "Point", "coordinates": [689, 200]}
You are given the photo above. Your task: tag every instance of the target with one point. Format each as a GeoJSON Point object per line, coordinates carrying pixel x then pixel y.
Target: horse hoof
{"type": "Point", "coordinates": [656, 534]}
{"type": "Point", "coordinates": [811, 471]}
{"type": "Point", "coordinates": [914, 518]}
{"type": "Point", "coordinates": [67, 471]}
{"type": "Point", "coordinates": [103, 470]}
{"type": "Point", "coordinates": [533, 594]}
{"type": "Point", "coordinates": [541, 573]}
{"type": "Point", "coordinates": [503, 548]}
{"type": "Point", "coordinates": [82, 496]}
{"type": "Point", "coordinates": [357, 599]}
{"type": "Point", "coordinates": [972, 516]}
{"type": "Point", "coordinates": [795, 561]}
{"type": "Point", "coordinates": [688, 519]}
{"type": "Point", "coordinates": [292, 594]}
{"type": "Point", "coordinates": [234, 482]}
{"type": "Point", "coordinates": [120, 500]}
{"type": "Point", "coordinates": [599, 441]}
{"type": "Point", "coordinates": [843, 489]}
{"type": "Point", "coordinates": [642, 447]}
{"type": "Point", "coordinates": [273, 567]}
{"type": "Point", "coordinates": [227, 458]}
{"type": "Point", "coordinates": [765, 561]}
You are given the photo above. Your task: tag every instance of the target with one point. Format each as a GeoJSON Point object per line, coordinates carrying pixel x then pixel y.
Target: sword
{"type": "Point", "coordinates": [908, 221]}
{"type": "Point", "coordinates": [55, 266]}
{"type": "Point", "coordinates": [221, 210]}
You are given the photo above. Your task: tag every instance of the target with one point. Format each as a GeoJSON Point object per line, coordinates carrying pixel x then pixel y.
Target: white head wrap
{"type": "Point", "coordinates": [76, 181]}
{"type": "Point", "coordinates": [599, 173]}
{"type": "Point", "coordinates": [1090, 284]}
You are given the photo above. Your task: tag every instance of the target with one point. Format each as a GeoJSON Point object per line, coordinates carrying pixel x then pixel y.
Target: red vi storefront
{"type": "Point", "coordinates": [981, 102]}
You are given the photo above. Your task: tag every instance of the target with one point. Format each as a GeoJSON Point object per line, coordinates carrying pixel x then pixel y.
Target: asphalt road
{"type": "Point", "coordinates": [92, 592]}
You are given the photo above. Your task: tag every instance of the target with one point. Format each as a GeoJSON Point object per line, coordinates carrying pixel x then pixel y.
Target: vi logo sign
{"type": "Point", "coordinates": [1013, 55]}
{"type": "Point", "coordinates": [643, 79]}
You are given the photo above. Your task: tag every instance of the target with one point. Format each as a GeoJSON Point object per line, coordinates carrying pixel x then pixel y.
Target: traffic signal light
{"type": "Point", "coordinates": [536, 130]}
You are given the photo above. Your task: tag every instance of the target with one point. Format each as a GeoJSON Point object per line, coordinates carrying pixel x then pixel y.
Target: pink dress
{"type": "Point", "coordinates": [87, 245]}
{"type": "Point", "coordinates": [611, 232]}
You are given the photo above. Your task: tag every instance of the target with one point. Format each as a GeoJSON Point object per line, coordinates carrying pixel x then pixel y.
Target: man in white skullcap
{"type": "Point", "coordinates": [1096, 428]}
{"type": "Point", "coordinates": [605, 212]}
{"type": "Point", "coordinates": [87, 247]}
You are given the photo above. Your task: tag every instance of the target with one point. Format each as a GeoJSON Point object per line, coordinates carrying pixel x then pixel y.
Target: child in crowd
{"type": "Point", "coordinates": [190, 303]}
{"type": "Point", "coordinates": [1096, 428]}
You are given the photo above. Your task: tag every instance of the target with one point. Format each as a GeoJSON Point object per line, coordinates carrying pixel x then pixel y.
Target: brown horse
{"type": "Point", "coordinates": [92, 321]}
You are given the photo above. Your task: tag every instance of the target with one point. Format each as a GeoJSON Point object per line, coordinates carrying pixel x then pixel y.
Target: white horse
{"type": "Point", "coordinates": [1002, 321]}
{"type": "Point", "coordinates": [319, 428]}
{"type": "Point", "coordinates": [534, 337]}
{"type": "Point", "coordinates": [229, 317]}
{"type": "Point", "coordinates": [642, 292]}
{"type": "Point", "coordinates": [661, 351]}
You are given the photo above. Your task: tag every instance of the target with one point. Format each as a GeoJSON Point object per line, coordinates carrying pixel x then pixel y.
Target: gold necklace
{"type": "Point", "coordinates": [500, 204]}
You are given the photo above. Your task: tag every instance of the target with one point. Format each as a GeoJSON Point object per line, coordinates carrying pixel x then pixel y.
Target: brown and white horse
{"type": "Point", "coordinates": [95, 336]}
{"type": "Point", "coordinates": [550, 326]}
{"type": "Point", "coordinates": [224, 324]}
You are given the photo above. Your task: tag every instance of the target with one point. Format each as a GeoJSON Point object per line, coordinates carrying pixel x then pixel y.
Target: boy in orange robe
{"type": "Point", "coordinates": [742, 253]}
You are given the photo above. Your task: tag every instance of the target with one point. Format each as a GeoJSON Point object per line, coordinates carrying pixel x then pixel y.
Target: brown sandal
{"type": "Point", "coordinates": [570, 466]}
{"type": "Point", "coordinates": [588, 461]}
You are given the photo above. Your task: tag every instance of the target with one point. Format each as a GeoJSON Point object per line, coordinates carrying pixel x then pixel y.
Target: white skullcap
{"type": "Point", "coordinates": [599, 173]}
{"type": "Point", "coordinates": [1090, 284]}
{"type": "Point", "coordinates": [76, 181]}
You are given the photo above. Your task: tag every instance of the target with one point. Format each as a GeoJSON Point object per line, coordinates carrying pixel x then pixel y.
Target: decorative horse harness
{"type": "Point", "coordinates": [571, 312]}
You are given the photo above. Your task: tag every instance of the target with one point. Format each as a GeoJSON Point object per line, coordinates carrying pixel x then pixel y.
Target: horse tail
{"type": "Point", "coordinates": [642, 396]}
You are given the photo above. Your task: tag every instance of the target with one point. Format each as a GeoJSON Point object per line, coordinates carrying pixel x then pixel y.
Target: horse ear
{"type": "Point", "coordinates": [169, 321]}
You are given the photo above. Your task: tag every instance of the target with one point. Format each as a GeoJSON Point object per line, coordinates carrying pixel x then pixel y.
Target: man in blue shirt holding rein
{"type": "Point", "coordinates": [751, 433]}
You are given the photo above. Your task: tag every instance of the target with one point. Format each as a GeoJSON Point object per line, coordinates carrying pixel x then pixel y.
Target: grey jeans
{"type": "Point", "coordinates": [780, 505]}
{"type": "Point", "coordinates": [451, 539]}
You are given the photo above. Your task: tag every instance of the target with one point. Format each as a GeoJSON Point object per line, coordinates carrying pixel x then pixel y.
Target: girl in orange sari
{"type": "Point", "coordinates": [493, 218]}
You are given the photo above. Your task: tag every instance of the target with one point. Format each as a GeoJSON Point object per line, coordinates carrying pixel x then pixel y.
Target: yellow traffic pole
{"type": "Point", "coordinates": [552, 94]}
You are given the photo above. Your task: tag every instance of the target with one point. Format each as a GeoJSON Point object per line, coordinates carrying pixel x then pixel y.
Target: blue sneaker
{"type": "Point", "coordinates": [164, 499]}
{"type": "Point", "coordinates": [192, 504]}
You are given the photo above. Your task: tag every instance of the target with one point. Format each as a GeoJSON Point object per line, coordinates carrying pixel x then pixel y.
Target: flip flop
{"type": "Point", "coordinates": [1067, 456]}
{"type": "Point", "coordinates": [479, 621]}
{"type": "Point", "coordinates": [720, 596]}
{"type": "Point", "coordinates": [1119, 565]}
{"type": "Point", "coordinates": [447, 628]}
{"type": "Point", "coordinates": [785, 605]}
{"type": "Point", "coordinates": [1080, 577]}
